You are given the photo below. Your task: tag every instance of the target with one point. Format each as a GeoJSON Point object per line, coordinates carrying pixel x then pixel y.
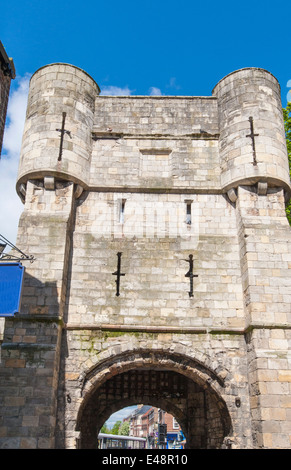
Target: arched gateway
{"type": "Point", "coordinates": [161, 270]}
{"type": "Point", "coordinates": [176, 383]}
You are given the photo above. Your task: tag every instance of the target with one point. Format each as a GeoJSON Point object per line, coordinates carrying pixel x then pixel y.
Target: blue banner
{"type": "Point", "coordinates": [11, 281]}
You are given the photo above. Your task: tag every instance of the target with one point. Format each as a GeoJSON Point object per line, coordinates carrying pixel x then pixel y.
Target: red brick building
{"type": "Point", "coordinates": [139, 421]}
{"type": "Point", "coordinates": [144, 422]}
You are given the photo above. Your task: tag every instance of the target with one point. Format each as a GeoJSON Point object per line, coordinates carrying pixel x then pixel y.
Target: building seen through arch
{"type": "Point", "coordinates": [159, 428]}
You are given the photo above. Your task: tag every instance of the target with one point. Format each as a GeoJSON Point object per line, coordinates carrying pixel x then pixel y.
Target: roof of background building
{"type": "Point", "coordinates": [7, 64]}
{"type": "Point", "coordinates": [141, 411]}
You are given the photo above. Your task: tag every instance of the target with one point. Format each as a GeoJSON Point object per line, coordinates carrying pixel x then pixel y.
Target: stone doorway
{"type": "Point", "coordinates": [172, 383]}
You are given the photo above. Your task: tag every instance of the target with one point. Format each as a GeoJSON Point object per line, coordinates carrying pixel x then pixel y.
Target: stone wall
{"type": "Point", "coordinates": [155, 242]}
{"type": "Point", "coordinates": [4, 94]}
{"type": "Point", "coordinates": [7, 73]}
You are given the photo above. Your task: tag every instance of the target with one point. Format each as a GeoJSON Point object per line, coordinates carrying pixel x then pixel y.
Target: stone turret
{"type": "Point", "coordinates": [61, 96]}
{"type": "Point", "coordinates": [252, 144]}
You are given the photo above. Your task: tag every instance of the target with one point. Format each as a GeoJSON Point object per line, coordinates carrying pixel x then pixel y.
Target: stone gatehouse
{"type": "Point", "coordinates": [162, 264]}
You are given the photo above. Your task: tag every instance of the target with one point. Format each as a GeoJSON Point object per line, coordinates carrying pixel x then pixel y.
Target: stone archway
{"type": "Point", "coordinates": [179, 385]}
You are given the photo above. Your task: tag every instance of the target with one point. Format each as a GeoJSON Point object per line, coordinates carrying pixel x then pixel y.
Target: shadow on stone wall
{"type": "Point", "coordinates": [28, 369]}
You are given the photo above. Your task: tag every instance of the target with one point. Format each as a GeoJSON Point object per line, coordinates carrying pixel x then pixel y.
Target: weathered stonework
{"type": "Point", "coordinates": [7, 73]}
{"type": "Point", "coordinates": [151, 182]}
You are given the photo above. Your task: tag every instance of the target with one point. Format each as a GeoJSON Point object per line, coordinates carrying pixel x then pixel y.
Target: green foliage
{"type": "Point", "coordinates": [118, 428]}
{"type": "Point", "coordinates": [124, 429]}
{"type": "Point", "coordinates": [115, 429]}
{"type": "Point", "coordinates": [105, 429]}
{"type": "Point", "coordinates": [287, 123]}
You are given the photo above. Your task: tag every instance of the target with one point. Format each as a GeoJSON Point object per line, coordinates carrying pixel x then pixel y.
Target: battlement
{"type": "Point", "coordinates": [201, 144]}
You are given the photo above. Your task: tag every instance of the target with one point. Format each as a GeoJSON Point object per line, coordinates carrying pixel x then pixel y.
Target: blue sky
{"type": "Point", "coordinates": [138, 48]}
{"type": "Point", "coordinates": [181, 48]}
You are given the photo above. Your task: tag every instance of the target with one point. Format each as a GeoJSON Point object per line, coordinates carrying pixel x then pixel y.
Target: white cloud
{"type": "Point", "coordinates": [10, 204]}
{"type": "Point", "coordinates": [154, 91]}
{"type": "Point", "coordinates": [289, 92]}
{"type": "Point", "coordinates": [119, 415]}
{"type": "Point", "coordinates": [173, 84]}
{"type": "Point", "coordinates": [111, 90]}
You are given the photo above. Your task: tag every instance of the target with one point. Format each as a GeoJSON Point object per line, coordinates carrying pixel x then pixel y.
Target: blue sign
{"type": "Point", "coordinates": [11, 281]}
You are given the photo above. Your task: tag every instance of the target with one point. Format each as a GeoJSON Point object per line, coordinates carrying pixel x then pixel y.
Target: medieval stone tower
{"type": "Point", "coordinates": [162, 270]}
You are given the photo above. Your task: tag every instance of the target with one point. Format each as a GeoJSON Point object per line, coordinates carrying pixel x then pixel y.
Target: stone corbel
{"type": "Point", "coordinates": [49, 182]}
{"type": "Point", "coordinates": [262, 188]}
{"type": "Point", "coordinates": [78, 191]}
{"type": "Point", "coordinates": [22, 189]}
{"type": "Point", "coordinates": [232, 194]}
